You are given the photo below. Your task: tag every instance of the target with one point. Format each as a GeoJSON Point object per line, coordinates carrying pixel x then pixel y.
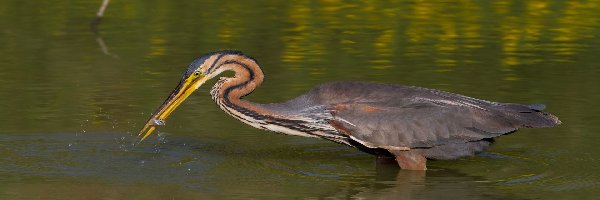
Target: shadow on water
{"type": "Point", "coordinates": [93, 164]}
{"type": "Point", "coordinates": [109, 156]}
{"type": "Point", "coordinates": [97, 165]}
{"type": "Point", "coordinates": [390, 182]}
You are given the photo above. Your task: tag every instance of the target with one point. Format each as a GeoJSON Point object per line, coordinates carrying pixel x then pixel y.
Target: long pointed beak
{"type": "Point", "coordinates": [185, 88]}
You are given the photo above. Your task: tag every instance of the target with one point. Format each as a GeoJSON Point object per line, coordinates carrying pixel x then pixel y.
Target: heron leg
{"type": "Point", "coordinates": [410, 160]}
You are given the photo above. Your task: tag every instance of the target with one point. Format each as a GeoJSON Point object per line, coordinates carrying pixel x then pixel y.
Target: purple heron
{"type": "Point", "coordinates": [406, 123]}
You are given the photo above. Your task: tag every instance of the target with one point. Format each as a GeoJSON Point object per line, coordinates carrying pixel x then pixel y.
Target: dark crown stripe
{"type": "Point", "coordinates": [214, 63]}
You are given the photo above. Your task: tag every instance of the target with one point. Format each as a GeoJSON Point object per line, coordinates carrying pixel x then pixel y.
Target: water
{"type": "Point", "coordinates": [74, 100]}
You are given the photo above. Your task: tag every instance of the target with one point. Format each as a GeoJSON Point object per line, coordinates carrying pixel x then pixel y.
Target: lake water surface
{"type": "Point", "coordinates": [72, 100]}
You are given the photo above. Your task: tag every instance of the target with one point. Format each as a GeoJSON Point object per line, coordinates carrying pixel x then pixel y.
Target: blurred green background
{"type": "Point", "coordinates": [72, 99]}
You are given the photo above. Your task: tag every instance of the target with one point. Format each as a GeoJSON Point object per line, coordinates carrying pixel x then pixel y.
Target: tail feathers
{"type": "Point", "coordinates": [530, 116]}
{"type": "Point", "coordinates": [539, 119]}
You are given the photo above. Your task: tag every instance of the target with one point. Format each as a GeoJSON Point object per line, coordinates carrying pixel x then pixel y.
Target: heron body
{"type": "Point", "coordinates": [409, 124]}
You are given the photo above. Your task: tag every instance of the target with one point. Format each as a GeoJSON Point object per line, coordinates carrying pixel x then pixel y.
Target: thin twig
{"type": "Point", "coordinates": [100, 12]}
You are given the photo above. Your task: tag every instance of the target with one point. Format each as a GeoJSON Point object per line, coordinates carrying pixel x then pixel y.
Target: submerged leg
{"type": "Point", "coordinates": [410, 160]}
{"type": "Point", "coordinates": [386, 160]}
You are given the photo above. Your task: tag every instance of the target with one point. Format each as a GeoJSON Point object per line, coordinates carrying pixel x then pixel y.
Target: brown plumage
{"type": "Point", "coordinates": [410, 124]}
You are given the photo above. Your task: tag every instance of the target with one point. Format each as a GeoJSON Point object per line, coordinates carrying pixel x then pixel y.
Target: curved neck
{"type": "Point", "coordinates": [229, 91]}
{"type": "Point", "coordinates": [248, 76]}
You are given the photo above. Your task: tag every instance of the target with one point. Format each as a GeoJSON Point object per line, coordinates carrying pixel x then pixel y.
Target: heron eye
{"type": "Point", "coordinates": [197, 73]}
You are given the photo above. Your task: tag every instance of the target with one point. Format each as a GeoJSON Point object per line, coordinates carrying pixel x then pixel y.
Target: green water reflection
{"type": "Point", "coordinates": [68, 106]}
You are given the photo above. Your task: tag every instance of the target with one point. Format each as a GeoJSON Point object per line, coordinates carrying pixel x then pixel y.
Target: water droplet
{"type": "Point", "coordinates": [162, 137]}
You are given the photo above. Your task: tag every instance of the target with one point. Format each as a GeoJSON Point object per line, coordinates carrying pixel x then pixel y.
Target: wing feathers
{"type": "Point", "coordinates": [398, 116]}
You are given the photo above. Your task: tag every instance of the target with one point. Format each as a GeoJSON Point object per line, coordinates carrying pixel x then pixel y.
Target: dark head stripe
{"type": "Point", "coordinates": [210, 69]}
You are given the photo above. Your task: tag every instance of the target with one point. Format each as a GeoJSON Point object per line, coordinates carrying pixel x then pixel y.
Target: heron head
{"type": "Point", "coordinates": [199, 71]}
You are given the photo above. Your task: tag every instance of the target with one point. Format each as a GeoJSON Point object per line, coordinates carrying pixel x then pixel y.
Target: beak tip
{"type": "Point", "coordinates": [146, 134]}
{"type": "Point", "coordinates": [181, 92]}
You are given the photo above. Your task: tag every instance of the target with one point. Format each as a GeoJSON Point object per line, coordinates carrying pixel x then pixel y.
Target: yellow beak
{"type": "Point", "coordinates": [185, 88]}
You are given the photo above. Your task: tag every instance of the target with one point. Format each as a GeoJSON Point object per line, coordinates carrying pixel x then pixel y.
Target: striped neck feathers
{"type": "Point", "coordinates": [229, 91]}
